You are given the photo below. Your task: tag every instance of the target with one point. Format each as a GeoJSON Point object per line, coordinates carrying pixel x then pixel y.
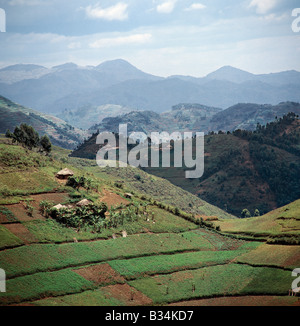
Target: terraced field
{"type": "Point", "coordinates": [142, 269]}
{"type": "Point", "coordinates": [162, 260]}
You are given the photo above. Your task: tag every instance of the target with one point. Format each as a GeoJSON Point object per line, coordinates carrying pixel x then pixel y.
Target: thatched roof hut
{"type": "Point", "coordinates": [84, 202]}
{"type": "Point", "coordinates": [59, 206]}
{"type": "Point", "coordinates": [64, 174]}
{"type": "Point", "coordinates": [128, 195]}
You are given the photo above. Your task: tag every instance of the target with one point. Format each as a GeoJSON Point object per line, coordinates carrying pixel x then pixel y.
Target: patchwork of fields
{"type": "Point", "coordinates": [149, 268]}
{"type": "Point", "coordinates": [160, 260]}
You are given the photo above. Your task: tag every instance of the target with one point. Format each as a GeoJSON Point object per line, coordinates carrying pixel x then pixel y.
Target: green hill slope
{"type": "Point", "coordinates": [247, 170]}
{"type": "Point", "coordinates": [276, 226]}
{"type": "Point", "coordinates": [246, 116]}
{"type": "Point", "coordinates": [162, 256]}
{"type": "Point", "coordinates": [60, 133]}
{"type": "Point", "coordinates": [244, 169]}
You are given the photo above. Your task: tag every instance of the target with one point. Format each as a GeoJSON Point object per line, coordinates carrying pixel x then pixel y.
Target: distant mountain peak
{"type": "Point", "coordinates": [231, 74]}
{"type": "Point", "coordinates": [66, 66]}
{"type": "Point", "coordinates": [229, 68]}
{"type": "Point", "coordinates": [123, 70]}
{"type": "Point", "coordinates": [114, 63]}
{"type": "Point", "coordinates": [117, 65]}
{"type": "Point", "coordinates": [22, 67]}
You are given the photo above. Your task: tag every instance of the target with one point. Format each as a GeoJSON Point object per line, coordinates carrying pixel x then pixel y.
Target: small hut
{"type": "Point", "coordinates": [64, 174]}
{"type": "Point", "coordinates": [60, 206]}
{"type": "Point", "coordinates": [128, 195]}
{"type": "Point", "coordinates": [84, 202]}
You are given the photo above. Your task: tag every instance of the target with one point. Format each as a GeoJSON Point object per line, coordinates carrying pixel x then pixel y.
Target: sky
{"type": "Point", "coordinates": [161, 37]}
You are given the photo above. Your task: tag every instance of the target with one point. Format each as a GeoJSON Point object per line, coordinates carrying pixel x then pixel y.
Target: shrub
{"type": "Point", "coordinates": [46, 144]}
{"type": "Point", "coordinates": [28, 207]}
{"type": "Point", "coordinates": [45, 207]}
{"type": "Point", "coordinates": [245, 213]}
{"type": "Point", "coordinates": [137, 177]}
{"type": "Point", "coordinates": [78, 217]}
{"type": "Point", "coordinates": [77, 182]}
{"type": "Point", "coordinates": [119, 185]}
{"type": "Point", "coordinates": [256, 212]}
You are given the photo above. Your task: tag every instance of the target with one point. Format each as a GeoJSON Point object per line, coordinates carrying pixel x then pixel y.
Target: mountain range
{"type": "Point", "coordinates": [199, 118]}
{"type": "Point", "coordinates": [117, 82]}
{"type": "Point", "coordinates": [70, 128]}
{"type": "Point", "coordinates": [243, 169]}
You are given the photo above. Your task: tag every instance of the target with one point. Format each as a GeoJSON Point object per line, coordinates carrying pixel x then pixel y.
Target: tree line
{"type": "Point", "coordinates": [28, 137]}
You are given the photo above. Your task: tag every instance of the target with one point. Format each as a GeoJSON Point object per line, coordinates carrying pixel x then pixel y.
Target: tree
{"type": "Point", "coordinates": [245, 213]}
{"type": "Point", "coordinates": [256, 212]}
{"type": "Point", "coordinates": [25, 135]}
{"type": "Point", "coordinates": [8, 134]}
{"type": "Point", "coordinates": [46, 144]}
{"type": "Point", "coordinates": [28, 137]}
{"type": "Point", "coordinates": [19, 136]}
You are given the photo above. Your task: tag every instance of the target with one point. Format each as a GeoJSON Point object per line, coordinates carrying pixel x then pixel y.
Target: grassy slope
{"type": "Point", "coordinates": [172, 248]}
{"type": "Point", "coordinates": [161, 190]}
{"type": "Point", "coordinates": [17, 168]}
{"type": "Point", "coordinates": [214, 281]}
{"type": "Point", "coordinates": [280, 223]}
{"type": "Point", "coordinates": [60, 132]}
{"type": "Point", "coordinates": [7, 239]}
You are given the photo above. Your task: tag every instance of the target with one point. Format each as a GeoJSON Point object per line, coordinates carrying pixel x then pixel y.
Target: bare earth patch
{"type": "Point", "coordinates": [100, 274]}
{"type": "Point", "coordinates": [294, 259]}
{"type": "Point", "coordinates": [21, 232]}
{"type": "Point", "coordinates": [5, 219]}
{"type": "Point", "coordinates": [21, 214]}
{"type": "Point", "coordinates": [127, 294]}
{"type": "Point", "coordinates": [112, 199]}
{"type": "Point", "coordinates": [56, 198]}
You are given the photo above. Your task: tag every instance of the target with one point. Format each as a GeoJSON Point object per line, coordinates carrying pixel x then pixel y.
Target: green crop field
{"type": "Point", "coordinates": [139, 267]}
{"type": "Point", "coordinates": [214, 281]}
{"type": "Point", "coordinates": [8, 239]}
{"type": "Point", "coordinates": [165, 254]}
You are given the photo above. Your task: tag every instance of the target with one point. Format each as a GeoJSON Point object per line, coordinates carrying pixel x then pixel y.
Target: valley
{"type": "Point", "coordinates": [148, 236]}
{"type": "Point", "coordinates": [243, 170]}
{"type": "Point", "coordinates": [167, 257]}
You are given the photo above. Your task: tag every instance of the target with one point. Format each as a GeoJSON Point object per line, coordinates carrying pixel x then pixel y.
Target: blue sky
{"type": "Point", "coordinates": [162, 37]}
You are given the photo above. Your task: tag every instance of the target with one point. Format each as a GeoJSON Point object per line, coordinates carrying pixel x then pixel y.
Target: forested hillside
{"type": "Point", "coordinates": [243, 170]}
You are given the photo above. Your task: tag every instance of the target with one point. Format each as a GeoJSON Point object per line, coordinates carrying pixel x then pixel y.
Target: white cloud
{"type": "Point", "coordinates": [275, 18]}
{"type": "Point", "coordinates": [263, 6]}
{"type": "Point", "coordinates": [195, 6]}
{"type": "Point", "coordinates": [116, 12]}
{"type": "Point", "coordinates": [121, 40]}
{"type": "Point", "coordinates": [166, 7]}
{"type": "Point", "coordinates": [74, 45]}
